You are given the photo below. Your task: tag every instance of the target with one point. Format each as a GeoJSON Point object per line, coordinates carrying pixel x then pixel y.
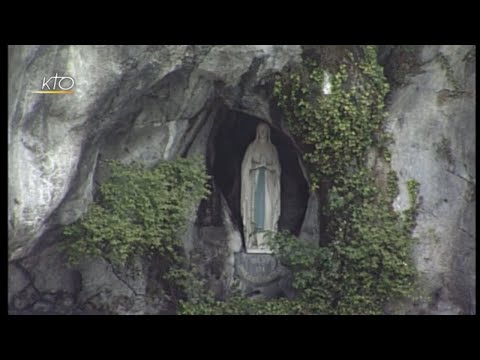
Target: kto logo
{"type": "Point", "coordinates": [60, 85]}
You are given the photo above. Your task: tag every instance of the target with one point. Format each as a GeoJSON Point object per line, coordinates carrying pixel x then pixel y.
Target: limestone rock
{"type": "Point", "coordinates": [434, 144]}
{"type": "Point", "coordinates": [17, 280]}
{"type": "Point", "coordinates": [147, 103]}
{"type": "Point", "coordinates": [107, 288]}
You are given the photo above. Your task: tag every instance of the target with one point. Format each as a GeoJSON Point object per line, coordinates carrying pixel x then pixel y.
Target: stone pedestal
{"type": "Point", "coordinates": [262, 276]}
{"type": "Point", "coordinates": [258, 268]}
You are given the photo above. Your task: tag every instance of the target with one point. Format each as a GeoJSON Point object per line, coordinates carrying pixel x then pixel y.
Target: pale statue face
{"type": "Point", "coordinates": [262, 133]}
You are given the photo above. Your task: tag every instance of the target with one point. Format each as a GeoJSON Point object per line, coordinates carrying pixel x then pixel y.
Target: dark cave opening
{"type": "Point", "coordinates": [231, 134]}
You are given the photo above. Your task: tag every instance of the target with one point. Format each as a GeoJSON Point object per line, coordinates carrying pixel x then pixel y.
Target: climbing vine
{"type": "Point", "coordinates": [140, 211]}
{"type": "Point", "coordinates": [335, 128]}
{"type": "Point", "coordinates": [368, 260]}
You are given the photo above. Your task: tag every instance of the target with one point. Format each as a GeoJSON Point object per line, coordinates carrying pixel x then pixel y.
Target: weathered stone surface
{"type": "Point", "coordinates": [25, 299]}
{"type": "Point", "coordinates": [50, 272]}
{"type": "Point", "coordinates": [111, 289]}
{"type": "Point", "coordinates": [435, 144]}
{"type": "Point", "coordinates": [17, 280]}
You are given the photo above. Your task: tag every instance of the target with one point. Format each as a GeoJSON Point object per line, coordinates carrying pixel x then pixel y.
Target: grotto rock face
{"type": "Point", "coordinates": [432, 120]}
{"type": "Point", "coordinates": [132, 103]}
{"type": "Point", "coordinates": [147, 103]}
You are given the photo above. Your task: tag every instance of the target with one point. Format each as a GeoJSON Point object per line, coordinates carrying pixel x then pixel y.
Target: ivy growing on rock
{"type": "Point", "coordinates": [140, 211]}
{"type": "Point", "coordinates": [336, 128]}
{"type": "Point", "coordinates": [369, 260]}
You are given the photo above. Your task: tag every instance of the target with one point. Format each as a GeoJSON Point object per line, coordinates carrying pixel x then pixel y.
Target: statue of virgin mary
{"type": "Point", "coordinates": [260, 191]}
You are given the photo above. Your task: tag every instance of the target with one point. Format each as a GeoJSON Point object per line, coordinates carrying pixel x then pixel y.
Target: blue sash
{"type": "Point", "coordinates": [259, 210]}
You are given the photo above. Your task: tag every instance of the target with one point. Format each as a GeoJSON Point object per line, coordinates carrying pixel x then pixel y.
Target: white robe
{"type": "Point", "coordinates": [260, 154]}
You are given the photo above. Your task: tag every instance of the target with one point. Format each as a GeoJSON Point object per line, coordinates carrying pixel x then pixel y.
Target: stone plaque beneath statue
{"type": "Point", "coordinates": [257, 268]}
